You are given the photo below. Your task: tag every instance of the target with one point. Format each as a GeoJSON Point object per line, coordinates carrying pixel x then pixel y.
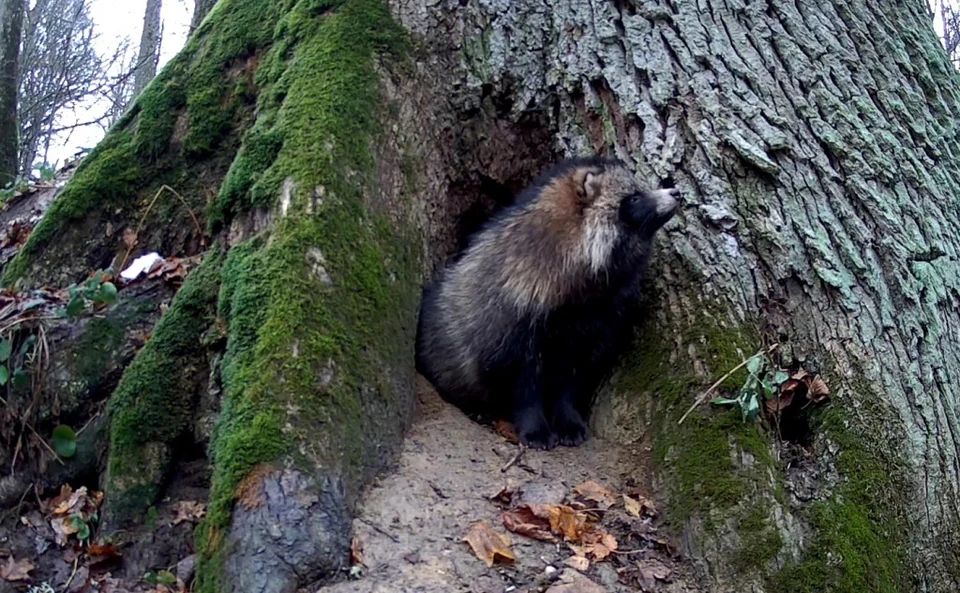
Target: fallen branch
{"type": "Point", "coordinates": [706, 394]}
{"type": "Point", "coordinates": [514, 459]}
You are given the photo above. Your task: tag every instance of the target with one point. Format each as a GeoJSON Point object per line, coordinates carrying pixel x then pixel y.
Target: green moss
{"type": "Point", "coordinates": [158, 108]}
{"type": "Point", "coordinates": [320, 313]}
{"type": "Point", "coordinates": [95, 350]}
{"type": "Point", "coordinates": [151, 406]}
{"type": "Point", "coordinates": [108, 175]}
{"type": "Point", "coordinates": [702, 458]}
{"type": "Point", "coordinates": [760, 541]}
{"type": "Point", "coordinates": [861, 543]}
{"type": "Point", "coordinates": [259, 151]}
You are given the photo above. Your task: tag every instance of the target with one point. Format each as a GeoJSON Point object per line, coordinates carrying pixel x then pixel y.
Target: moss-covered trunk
{"type": "Point", "coordinates": [332, 148]}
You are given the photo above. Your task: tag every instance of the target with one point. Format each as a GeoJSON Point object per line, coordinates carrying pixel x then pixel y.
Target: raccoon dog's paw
{"type": "Point", "coordinates": [569, 426]}
{"type": "Point", "coordinates": [534, 431]}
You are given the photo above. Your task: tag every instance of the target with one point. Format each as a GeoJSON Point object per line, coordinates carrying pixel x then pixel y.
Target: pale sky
{"type": "Point", "coordinates": [115, 21]}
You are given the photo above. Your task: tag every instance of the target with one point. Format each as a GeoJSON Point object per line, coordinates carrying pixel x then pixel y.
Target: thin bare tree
{"type": "Point", "coordinates": [150, 39]}
{"type": "Point", "coordinates": [11, 28]}
{"type": "Point", "coordinates": [200, 10]}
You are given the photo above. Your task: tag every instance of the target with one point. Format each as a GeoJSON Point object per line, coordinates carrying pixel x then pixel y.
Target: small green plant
{"type": "Point", "coordinates": [82, 526]}
{"type": "Point", "coordinates": [162, 577]}
{"type": "Point", "coordinates": [47, 173]}
{"type": "Point", "coordinates": [761, 385]}
{"type": "Point", "coordinates": [18, 185]}
{"type": "Point", "coordinates": [64, 441]}
{"type": "Point", "coordinates": [21, 378]}
{"type": "Point", "coordinates": [152, 516]}
{"type": "Point", "coordinates": [95, 290]}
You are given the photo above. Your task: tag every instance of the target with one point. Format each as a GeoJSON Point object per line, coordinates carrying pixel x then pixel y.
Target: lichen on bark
{"type": "Point", "coordinates": [813, 144]}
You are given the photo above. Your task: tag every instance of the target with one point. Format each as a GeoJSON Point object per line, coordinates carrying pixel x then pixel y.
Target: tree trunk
{"type": "Point", "coordinates": [200, 10]}
{"type": "Point", "coordinates": [813, 144]}
{"type": "Point", "coordinates": [149, 53]}
{"type": "Point", "coordinates": [11, 29]}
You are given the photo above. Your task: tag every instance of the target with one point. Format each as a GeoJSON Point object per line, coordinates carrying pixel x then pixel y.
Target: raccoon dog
{"type": "Point", "coordinates": [530, 319]}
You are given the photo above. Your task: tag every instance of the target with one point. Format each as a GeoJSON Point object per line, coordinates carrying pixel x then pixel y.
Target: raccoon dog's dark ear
{"type": "Point", "coordinates": [588, 184]}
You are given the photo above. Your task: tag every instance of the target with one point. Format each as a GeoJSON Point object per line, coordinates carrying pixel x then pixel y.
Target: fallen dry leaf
{"type": "Point", "coordinates": [130, 238]}
{"type": "Point", "coordinates": [356, 552]}
{"type": "Point", "coordinates": [525, 520]}
{"type": "Point", "coordinates": [506, 430]}
{"type": "Point", "coordinates": [100, 553]}
{"type": "Point", "coordinates": [776, 405]}
{"type": "Point", "coordinates": [572, 581]}
{"type": "Point", "coordinates": [594, 492]}
{"type": "Point", "coordinates": [62, 529]}
{"type": "Point", "coordinates": [565, 521]}
{"type": "Point", "coordinates": [189, 510]}
{"type": "Point", "coordinates": [817, 389]}
{"type": "Point", "coordinates": [16, 570]}
{"type": "Point", "coordinates": [637, 504]}
{"type": "Point", "coordinates": [503, 496]}
{"type": "Point", "coordinates": [600, 544]}
{"type": "Point", "coordinates": [488, 545]}
{"type": "Point", "coordinates": [651, 571]}
{"type": "Point", "coordinates": [580, 563]}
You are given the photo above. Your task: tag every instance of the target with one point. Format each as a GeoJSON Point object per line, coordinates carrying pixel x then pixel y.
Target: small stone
{"type": "Point", "coordinates": [186, 568]}
{"type": "Point", "coordinates": [550, 571]}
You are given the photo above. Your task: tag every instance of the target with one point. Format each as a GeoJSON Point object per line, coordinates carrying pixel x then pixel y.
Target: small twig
{"type": "Point", "coordinates": [89, 422]}
{"type": "Point", "coordinates": [628, 552]}
{"type": "Point", "coordinates": [33, 430]}
{"type": "Point", "coordinates": [76, 561]}
{"type": "Point", "coordinates": [377, 528]}
{"type": "Point", "coordinates": [147, 212]}
{"type": "Point", "coordinates": [514, 459]}
{"type": "Point", "coordinates": [23, 319]}
{"type": "Point", "coordinates": [23, 498]}
{"type": "Point", "coordinates": [703, 396]}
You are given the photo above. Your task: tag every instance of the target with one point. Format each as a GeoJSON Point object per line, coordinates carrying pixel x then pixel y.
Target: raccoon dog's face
{"type": "Point", "coordinates": [615, 190]}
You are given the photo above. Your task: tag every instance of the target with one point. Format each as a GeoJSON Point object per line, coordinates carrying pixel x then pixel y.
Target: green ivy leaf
{"type": "Point", "coordinates": [722, 401]}
{"type": "Point", "coordinates": [6, 348]}
{"type": "Point", "coordinates": [769, 389]}
{"type": "Point", "coordinates": [64, 441]}
{"type": "Point", "coordinates": [755, 365]}
{"type": "Point", "coordinates": [780, 377]}
{"type": "Point", "coordinates": [165, 577]}
{"type": "Point", "coordinates": [83, 530]}
{"type": "Point", "coordinates": [107, 293]}
{"type": "Point", "coordinates": [75, 306]}
{"type": "Point", "coordinates": [4, 375]}
{"type": "Point", "coordinates": [751, 408]}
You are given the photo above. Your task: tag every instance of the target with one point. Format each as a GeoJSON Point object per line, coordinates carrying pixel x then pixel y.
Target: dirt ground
{"type": "Point", "coordinates": [411, 523]}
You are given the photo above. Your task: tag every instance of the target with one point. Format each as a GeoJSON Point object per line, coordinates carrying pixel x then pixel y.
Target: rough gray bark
{"type": "Point", "coordinates": [815, 143]}
{"type": "Point", "coordinates": [149, 53]}
{"type": "Point", "coordinates": [200, 10]}
{"type": "Point", "coordinates": [11, 29]}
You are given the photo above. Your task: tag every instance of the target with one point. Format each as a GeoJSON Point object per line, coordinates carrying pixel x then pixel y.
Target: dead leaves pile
{"type": "Point", "coordinates": [68, 520]}
{"type": "Point", "coordinates": [575, 524]}
{"type": "Point", "coordinates": [800, 386]}
{"type": "Point", "coordinates": [72, 512]}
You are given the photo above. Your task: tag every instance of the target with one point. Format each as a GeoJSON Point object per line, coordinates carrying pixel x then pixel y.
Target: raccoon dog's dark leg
{"type": "Point", "coordinates": [567, 421]}
{"type": "Point", "coordinates": [529, 416]}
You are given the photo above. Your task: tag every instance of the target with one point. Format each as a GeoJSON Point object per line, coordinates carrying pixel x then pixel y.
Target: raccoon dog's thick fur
{"type": "Point", "coordinates": [530, 319]}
